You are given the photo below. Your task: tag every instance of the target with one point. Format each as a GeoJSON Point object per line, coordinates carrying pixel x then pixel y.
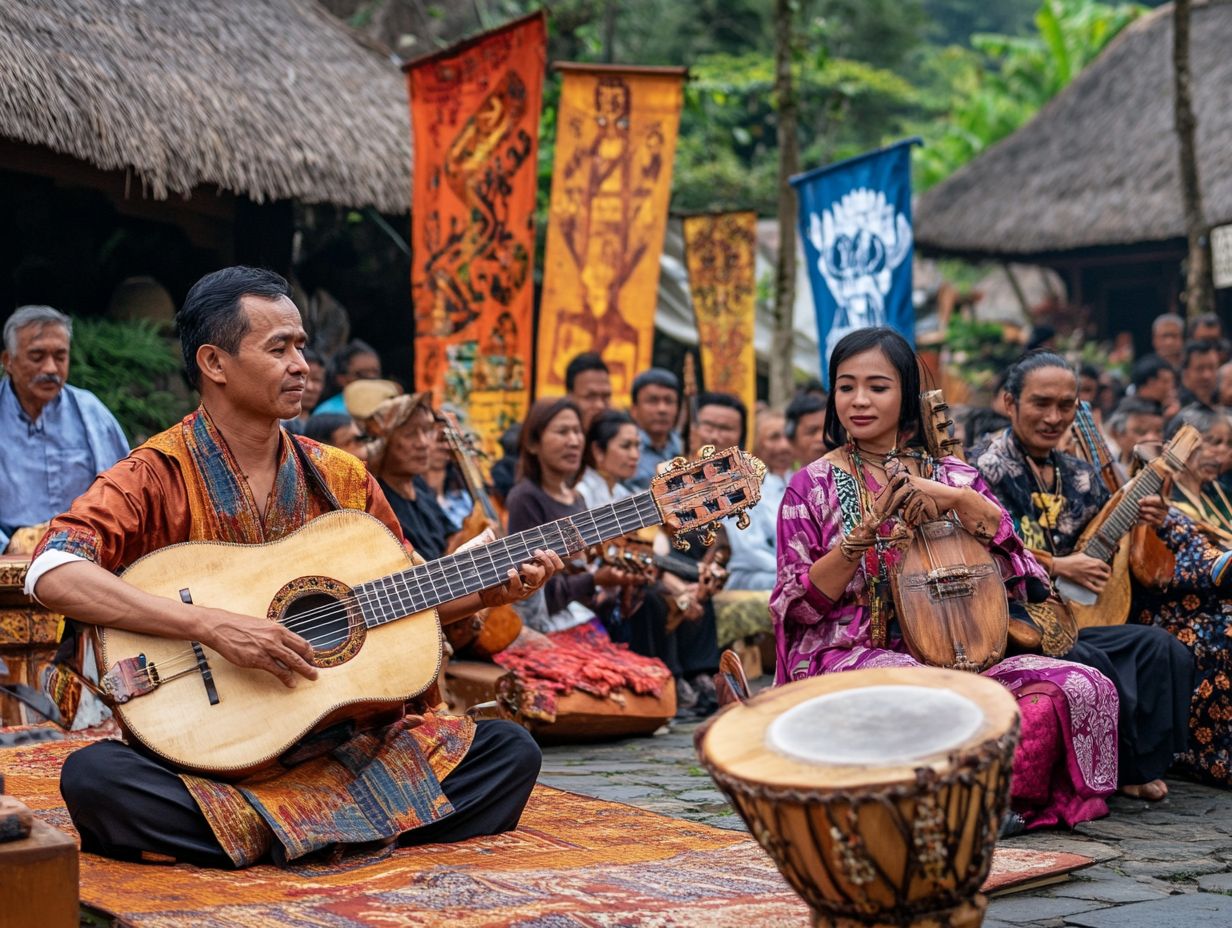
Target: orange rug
{"type": "Point", "coordinates": [574, 862]}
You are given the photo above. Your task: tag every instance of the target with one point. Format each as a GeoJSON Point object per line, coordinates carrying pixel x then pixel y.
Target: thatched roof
{"type": "Point", "coordinates": [1098, 165]}
{"type": "Point", "coordinates": [272, 99]}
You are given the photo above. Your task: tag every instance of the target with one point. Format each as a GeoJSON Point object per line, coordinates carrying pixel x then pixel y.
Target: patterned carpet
{"type": "Point", "coordinates": [573, 862]}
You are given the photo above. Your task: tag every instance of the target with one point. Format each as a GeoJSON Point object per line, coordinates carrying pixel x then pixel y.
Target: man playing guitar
{"type": "Point", "coordinates": [229, 473]}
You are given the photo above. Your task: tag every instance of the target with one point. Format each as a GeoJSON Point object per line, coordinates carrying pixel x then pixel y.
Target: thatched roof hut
{"type": "Point", "coordinates": [269, 99]}
{"type": "Point", "coordinates": [1098, 166]}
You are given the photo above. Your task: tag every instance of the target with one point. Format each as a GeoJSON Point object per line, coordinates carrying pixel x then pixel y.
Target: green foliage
{"type": "Point", "coordinates": [727, 154]}
{"type": "Point", "coordinates": [1006, 79]}
{"type": "Point", "coordinates": [979, 350]}
{"type": "Point", "coordinates": [129, 366]}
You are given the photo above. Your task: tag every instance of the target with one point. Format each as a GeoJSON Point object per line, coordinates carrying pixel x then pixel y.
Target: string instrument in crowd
{"type": "Point", "coordinates": [948, 592]}
{"type": "Point", "coordinates": [688, 408]}
{"type": "Point", "coordinates": [1152, 562]}
{"type": "Point", "coordinates": [351, 589]}
{"type": "Point", "coordinates": [1106, 538]}
{"type": "Point", "coordinates": [638, 557]}
{"type": "Point", "coordinates": [488, 634]}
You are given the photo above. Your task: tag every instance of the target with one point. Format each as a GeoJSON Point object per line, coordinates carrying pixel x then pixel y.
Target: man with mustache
{"type": "Point", "coordinates": [56, 438]}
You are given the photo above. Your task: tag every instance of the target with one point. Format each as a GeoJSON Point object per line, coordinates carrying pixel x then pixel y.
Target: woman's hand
{"type": "Point", "coordinates": [1084, 570]}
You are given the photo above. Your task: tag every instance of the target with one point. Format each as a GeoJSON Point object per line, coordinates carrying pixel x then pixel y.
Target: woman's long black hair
{"type": "Point", "coordinates": [902, 358]}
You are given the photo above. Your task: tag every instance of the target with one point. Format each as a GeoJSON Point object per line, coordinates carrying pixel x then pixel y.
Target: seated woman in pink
{"type": "Point", "coordinates": [839, 525]}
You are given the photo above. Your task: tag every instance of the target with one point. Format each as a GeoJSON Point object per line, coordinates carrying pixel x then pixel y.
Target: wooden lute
{"type": "Point", "coordinates": [1106, 537]}
{"type": "Point", "coordinates": [1152, 563]}
{"type": "Point", "coordinates": [948, 592]}
{"type": "Point", "coordinates": [345, 583]}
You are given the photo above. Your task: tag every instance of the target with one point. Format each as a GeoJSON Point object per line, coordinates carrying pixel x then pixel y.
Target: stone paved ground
{"type": "Point", "coordinates": [1161, 865]}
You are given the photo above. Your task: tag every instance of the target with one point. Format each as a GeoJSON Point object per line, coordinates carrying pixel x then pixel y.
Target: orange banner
{"type": "Point", "coordinates": [611, 182]}
{"type": "Point", "coordinates": [475, 117]}
{"type": "Point", "coordinates": [720, 251]}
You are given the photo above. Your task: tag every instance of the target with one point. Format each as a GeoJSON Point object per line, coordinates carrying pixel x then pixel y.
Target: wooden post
{"type": "Point", "coordinates": [781, 354]}
{"type": "Point", "coordinates": [1199, 287]}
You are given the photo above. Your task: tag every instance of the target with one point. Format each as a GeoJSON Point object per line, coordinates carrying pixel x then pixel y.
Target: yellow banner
{"type": "Point", "coordinates": [611, 182]}
{"type": "Point", "coordinates": [475, 113]}
{"type": "Point", "coordinates": [720, 251]}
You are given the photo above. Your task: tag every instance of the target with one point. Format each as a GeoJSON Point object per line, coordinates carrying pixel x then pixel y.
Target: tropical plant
{"type": "Point", "coordinates": [134, 368]}
{"type": "Point", "coordinates": [1006, 79]}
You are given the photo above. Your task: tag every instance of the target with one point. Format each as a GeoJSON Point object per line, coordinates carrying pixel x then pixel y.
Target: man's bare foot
{"type": "Point", "coordinates": [1152, 792]}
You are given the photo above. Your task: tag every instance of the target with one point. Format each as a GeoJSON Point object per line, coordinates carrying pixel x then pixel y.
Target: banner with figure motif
{"type": "Point", "coordinates": [720, 251]}
{"type": "Point", "coordinates": [475, 117]}
{"type": "Point", "coordinates": [855, 223]}
{"type": "Point", "coordinates": [611, 181]}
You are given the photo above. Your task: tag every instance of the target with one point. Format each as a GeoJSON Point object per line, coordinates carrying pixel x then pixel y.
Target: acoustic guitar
{"type": "Point", "coordinates": [347, 585]}
{"type": "Point", "coordinates": [1106, 537]}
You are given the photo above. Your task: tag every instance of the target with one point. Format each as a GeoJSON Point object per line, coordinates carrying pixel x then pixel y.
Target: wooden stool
{"type": "Point", "coordinates": [38, 880]}
{"type": "Point", "coordinates": [29, 635]}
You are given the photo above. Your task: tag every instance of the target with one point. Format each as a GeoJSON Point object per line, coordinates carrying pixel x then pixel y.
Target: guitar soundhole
{"type": "Point", "coordinates": [324, 612]}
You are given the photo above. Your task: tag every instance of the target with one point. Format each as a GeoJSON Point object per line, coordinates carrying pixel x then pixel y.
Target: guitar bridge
{"type": "Point", "coordinates": [129, 678]}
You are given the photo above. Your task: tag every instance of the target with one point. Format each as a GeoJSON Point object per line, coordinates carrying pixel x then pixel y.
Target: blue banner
{"type": "Point", "coordinates": [855, 223]}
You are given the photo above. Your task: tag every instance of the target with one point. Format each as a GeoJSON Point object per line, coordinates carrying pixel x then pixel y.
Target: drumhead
{"type": "Point", "coordinates": [875, 725]}
{"type": "Point", "coordinates": [857, 728]}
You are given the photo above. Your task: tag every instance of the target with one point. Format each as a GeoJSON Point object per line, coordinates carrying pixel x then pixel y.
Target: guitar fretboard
{"type": "Point", "coordinates": [426, 586]}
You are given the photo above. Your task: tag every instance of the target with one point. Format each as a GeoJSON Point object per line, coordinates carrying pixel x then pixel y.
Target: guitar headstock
{"type": "Point", "coordinates": [1183, 444]}
{"type": "Point", "coordinates": [693, 495]}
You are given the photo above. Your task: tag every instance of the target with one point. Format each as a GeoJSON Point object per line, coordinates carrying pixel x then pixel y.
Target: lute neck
{"type": "Point", "coordinates": [426, 586]}
{"type": "Point", "coordinates": [1122, 518]}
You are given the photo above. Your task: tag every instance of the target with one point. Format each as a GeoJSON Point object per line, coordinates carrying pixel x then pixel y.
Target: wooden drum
{"type": "Point", "coordinates": [877, 792]}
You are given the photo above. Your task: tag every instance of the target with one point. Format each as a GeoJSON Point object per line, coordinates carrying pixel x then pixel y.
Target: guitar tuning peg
{"type": "Point", "coordinates": [680, 543]}
{"type": "Point", "coordinates": [677, 462]}
{"type": "Point", "coordinates": [707, 451]}
{"type": "Point", "coordinates": [708, 536]}
{"type": "Point", "coordinates": [742, 520]}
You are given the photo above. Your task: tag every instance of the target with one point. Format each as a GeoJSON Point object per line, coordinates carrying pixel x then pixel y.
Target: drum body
{"type": "Point", "coordinates": [878, 793]}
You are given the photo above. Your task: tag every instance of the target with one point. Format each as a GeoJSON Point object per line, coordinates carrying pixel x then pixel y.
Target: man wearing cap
{"type": "Point", "coordinates": [229, 473]}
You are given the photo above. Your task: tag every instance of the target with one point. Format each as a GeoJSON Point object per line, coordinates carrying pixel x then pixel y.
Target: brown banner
{"type": "Point", "coordinates": [475, 115]}
{"type": "Point", "coordinates": [720, 251]}
{"type": "Point", "coordinates": [611, 182]}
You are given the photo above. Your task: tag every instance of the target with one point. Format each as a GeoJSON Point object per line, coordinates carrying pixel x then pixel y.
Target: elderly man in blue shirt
{"type": "Point", "coordinates": [54, 438]}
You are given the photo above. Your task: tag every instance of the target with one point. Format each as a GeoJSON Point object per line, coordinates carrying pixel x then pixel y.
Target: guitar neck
{"type": "Point", "coordinates": [1122, 518]}
{"type": "Point", "coordinates": [426, 586]}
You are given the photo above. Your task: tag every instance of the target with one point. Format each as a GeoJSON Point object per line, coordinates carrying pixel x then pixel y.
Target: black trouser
{"type": "Point", "coordinates": [124, 803]}
{"type": "Point", "coordinates": [691, 649]}
{"type": "Point", "coordinates": [1153, 674]}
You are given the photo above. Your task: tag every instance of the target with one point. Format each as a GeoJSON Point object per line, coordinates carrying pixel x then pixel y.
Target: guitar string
{"type": "Point", "coordinates": [440, 575]}
{"type": "Point", "coordinates": [338, 611]}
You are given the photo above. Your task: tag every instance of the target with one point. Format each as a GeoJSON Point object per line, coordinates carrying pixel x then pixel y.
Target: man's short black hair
{"type": "Point", "coordinates": [1206, 319]}
{"type": "Point", "coordinates": [342, 358]}
{"type": "Point", "coordinates": [1193, 347]}
{"type": "Point", "coordinates": [655, 377]}
{"type": "Point", "coordinates": [212, 314]}
{"type": "Point", "coordinates": [1146, 369]}
{"type": "Point", "coordinates": [727, 401]}
{"type": "Point", "coordinates": [1090, 371]}
{"type": "Point", "coordinates": [804, 404]}
{"type": "Point", "coordinates": [586, 361]}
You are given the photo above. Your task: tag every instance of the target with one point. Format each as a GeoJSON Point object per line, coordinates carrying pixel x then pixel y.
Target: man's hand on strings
{"type": "Point", "coordinates": [1084, 570]}
{"type": "Point", "coordinates": [1152, 510]}
{"type": "Point", "coordinates": [523, 581]}
{"type": "Point", "coordinates": [258, 643]}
